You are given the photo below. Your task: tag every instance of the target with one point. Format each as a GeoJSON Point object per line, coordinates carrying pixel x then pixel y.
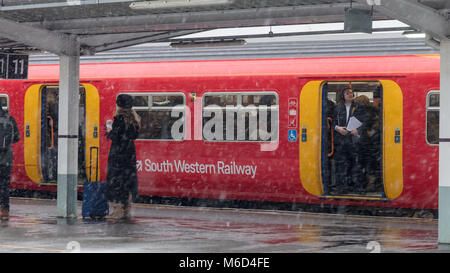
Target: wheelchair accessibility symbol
{"type": "Point", "coordinates": [292, 135]}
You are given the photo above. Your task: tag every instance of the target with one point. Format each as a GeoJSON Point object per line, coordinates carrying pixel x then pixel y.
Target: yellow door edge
{"type": "Point", "coordinates": [32, 129]}
{"type": "Point", "coordinates": [392, 139]}
{"type": "Point", "coordinates": [310, 150]}
{"type": "Point", "coordinates": [92, 142]}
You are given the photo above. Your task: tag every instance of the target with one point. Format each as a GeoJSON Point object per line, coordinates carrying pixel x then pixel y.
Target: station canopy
{"type": "Point", "coordinates": [100, 25]}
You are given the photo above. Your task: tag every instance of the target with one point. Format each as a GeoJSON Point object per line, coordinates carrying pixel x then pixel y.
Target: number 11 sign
{"type": "Point", "coordinates": [13, 66]}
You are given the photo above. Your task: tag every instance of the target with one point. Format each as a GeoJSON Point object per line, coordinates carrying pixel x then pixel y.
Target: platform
{"type": "Point", "coordinates": [34, 227]}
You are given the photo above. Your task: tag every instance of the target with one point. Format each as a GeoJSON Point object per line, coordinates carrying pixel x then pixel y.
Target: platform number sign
{"type": "Point", "coordinates": [13, 66]}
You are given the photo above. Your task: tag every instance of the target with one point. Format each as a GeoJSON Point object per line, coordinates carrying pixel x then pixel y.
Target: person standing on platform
{"type": "Point", "coordinates": [9, 133]}
{"type": "Point", "coordinates": [122, 173]}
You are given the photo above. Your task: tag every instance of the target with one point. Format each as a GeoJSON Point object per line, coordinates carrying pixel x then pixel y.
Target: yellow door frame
{"type": "Point", "coordinates": [32, 123]}
{"type": "Point", "coordinates": [310, 154]}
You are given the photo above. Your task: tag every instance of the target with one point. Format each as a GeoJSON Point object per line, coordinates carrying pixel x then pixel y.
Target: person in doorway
{"type": "Point", "coordinates": [365, 113]}
{"type": "Point", "coordinates": [377, 99]}
{"type": "Point", "coordinates": [9, 133]}
{"type": "Point", "coordinates": [375, 135]}
{"type": "Point", "coordinates": [329, 132]}
{"type": "Point", "coordinates": [121, 177]}
{"type": "Point", "coordinates": [52, 135]}
{"type": "Point", "coordinates": [348, 169]}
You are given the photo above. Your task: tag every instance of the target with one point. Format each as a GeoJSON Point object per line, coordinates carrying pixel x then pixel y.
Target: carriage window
{"type": "Point", "coordinates": [4, 102]}
{"type": "Point", "coordinates": [433, 104]}
{"type": "Point", "coordinates": [243, 116]}
{"type": "Point", "coordinates": [161, 115]}
{"type": "Point", "coordinates": [220, 100]}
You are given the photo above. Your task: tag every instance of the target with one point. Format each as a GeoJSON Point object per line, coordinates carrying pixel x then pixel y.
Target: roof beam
{"type": "Point", "coordinates": [111, 42]}
{"type": "Point", "coordinates": [210, 18]}
{"type": "Point", "coordinates": [415, 14]}
{"type": "Point", "coordinates": [54, 42]}
{"type": "Point", "coordinates": [25, 5]}
{"type": "Point", "coordinates": [105, 39]}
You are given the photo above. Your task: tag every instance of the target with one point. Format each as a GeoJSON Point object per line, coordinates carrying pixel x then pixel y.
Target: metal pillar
{"type": "Point", "coordinates": [444, 145]}
{"type": "Point", "coordinates": [68, 136]}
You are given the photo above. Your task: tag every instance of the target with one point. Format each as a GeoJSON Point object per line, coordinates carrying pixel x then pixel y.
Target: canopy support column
{"type": "Point", "coordinates": [69, 81]}
{"type": "Point", "coordinates": [444, 145]}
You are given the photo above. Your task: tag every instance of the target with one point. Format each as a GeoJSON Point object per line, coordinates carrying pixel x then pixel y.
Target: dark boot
{"type": "Point", "coordinates": [4, 215]}
{"type": "Point", "coordinates": [126, 211]}
{"type": "Point", "coordinates": [116, 211]}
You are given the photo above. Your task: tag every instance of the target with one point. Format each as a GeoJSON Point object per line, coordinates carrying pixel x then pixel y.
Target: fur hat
{"type": "Point", "coordinates": [124, 101]}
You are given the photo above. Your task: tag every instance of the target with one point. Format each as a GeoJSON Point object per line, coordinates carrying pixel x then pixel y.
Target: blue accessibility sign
{"type": "Point", "coordinates": [292, 135]}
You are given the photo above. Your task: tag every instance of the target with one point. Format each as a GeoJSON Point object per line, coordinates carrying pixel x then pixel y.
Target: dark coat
{"type": "Point", "coordinates": [367, 115]}
{"type": "Point", "coordinates": [349, 171]}
{"type": "Point", "coordinates": [340, 119]}
{"type": "Point", "coordinates": [122, 173]}
{"type": "Point", "coordinates": [6, 158]}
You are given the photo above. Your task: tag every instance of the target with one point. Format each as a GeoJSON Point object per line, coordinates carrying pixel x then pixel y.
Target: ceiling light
{"type": "Point", "coordinates": [208, 43]}
{"type": "Point", "coordinates": [177, 4]}
{"type": "Point", "coordinates": [413, 34]}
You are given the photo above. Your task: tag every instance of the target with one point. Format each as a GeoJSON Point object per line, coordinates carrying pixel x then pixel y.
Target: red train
{"type": "Point", "coordinates": [252, 130]}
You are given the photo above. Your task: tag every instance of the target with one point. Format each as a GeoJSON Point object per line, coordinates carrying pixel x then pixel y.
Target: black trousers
{"type": "Point", "coordinates": [349, 170]}
{"type": "Point", "coordinates": [5, 172]}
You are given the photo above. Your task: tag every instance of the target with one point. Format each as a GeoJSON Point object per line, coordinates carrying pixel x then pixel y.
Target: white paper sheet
{"type": "Point", "coordinates": [353, 123]}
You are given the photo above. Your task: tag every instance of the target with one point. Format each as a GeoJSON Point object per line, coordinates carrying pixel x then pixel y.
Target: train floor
{"type": "Point", "coordinates": [34, 227]}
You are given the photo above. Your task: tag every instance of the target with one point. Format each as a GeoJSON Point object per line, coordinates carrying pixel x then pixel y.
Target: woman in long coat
{"type": "Point", "coordinates": [122, 173]}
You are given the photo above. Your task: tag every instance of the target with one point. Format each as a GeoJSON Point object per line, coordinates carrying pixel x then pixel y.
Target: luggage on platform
{"type": "Point", "coordinates": [95, 204]}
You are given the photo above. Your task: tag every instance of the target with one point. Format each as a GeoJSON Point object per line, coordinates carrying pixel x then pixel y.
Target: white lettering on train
{"type": "Point", "coordinates": [182, 166]}
{"type": "Point", "coordinates": [236, 118]}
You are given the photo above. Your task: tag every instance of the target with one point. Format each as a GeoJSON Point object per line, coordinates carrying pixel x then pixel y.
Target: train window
{"type": "Point", "coordinates": [432, 131]}
{"type": "Point", "coordinates": [4, 102]}
{"type": "Point", "coordinates": [161, 115]}
{"type": "Point", "coordinates": [222, 100]}
{"type": "Point", "coordinates": [240, 116]}
{"type": "Point", "coordinates": [140, 101]}
{"type": "Point", "coordinates": [161, 101]}
{"type": "Point", "coordinates": [257, 100]}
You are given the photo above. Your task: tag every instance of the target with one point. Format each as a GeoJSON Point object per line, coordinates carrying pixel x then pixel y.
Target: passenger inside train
{"type": "Point", "coordinates": [50, 99]}
{"type": "Point", "coordinates": [352, 159]}
{"type": "Point", "coordinates": [49, 132]}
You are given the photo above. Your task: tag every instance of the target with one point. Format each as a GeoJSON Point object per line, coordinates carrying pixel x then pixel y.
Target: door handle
{"type": "Point", "coordinates": [304, 134]}
{"type": "Point", "coordinates": [27, 129]}
{"type": "Point", "coordinates": [95, 134]}
{"type": "Point", "coordinates": [397, 135]}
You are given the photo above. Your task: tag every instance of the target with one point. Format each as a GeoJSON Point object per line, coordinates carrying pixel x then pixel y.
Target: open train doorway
{"type": "Point", "coordinates": [352, 139]}
{"type": "Point", "coordinates": [49, 134]}
{"type": "Point", "coordinates": [41, 133]}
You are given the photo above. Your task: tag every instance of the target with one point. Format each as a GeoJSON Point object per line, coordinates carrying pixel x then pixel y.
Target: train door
{"type": "Point", "coordinates": [369, 163]}
{"type": "Point", "coordinates": [41, 133]}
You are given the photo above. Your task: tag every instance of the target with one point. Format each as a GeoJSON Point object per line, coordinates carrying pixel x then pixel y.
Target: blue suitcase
{"type": "Point", "coordinates": [95, 204]}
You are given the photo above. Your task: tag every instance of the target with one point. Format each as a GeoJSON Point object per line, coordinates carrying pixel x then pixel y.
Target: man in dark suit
{"type": "Point", "coordinates": [8, 124]}
{"type": "Point", "coordinates": [348, 169]}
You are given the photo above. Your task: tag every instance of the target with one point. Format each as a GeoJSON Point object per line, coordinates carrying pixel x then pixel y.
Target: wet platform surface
{"type": "Point", "coordinates": [34, 227]}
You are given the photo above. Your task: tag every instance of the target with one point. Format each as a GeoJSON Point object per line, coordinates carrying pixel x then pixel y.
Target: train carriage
{"type": "Point", "coordinates": [254, 130]}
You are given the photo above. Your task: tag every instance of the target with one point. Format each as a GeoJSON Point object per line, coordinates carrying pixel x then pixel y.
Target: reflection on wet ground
{"type": "Point", "coordinates": [34, 227]}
